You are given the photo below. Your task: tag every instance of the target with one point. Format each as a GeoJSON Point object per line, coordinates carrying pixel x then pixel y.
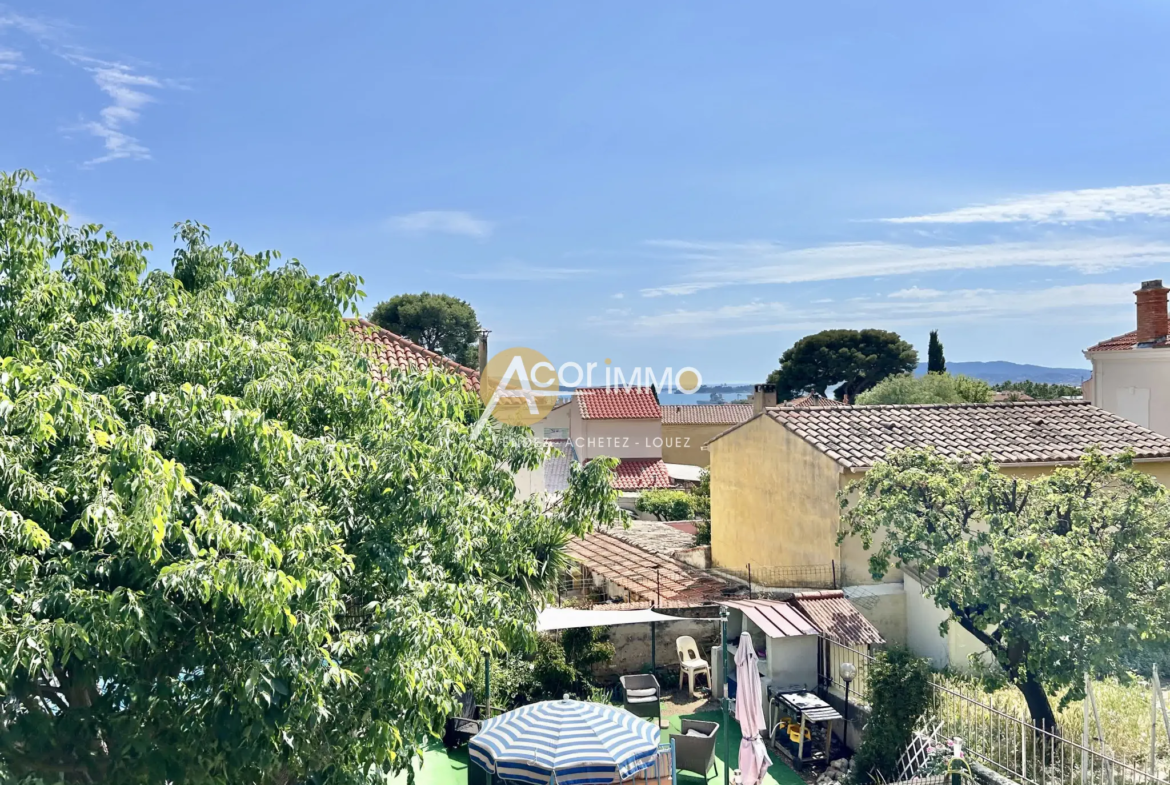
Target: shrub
{"type": "Point", "coordinates": [667, 505]}
{"type": "Point", "coordinates": [931, 388]}
{"type": "Point", "coordinates": [899, 690]}
{"type": "Point", "coordinates": [562, 666]}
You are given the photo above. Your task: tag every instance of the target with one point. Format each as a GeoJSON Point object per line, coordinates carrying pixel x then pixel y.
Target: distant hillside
{"type": "Point", "coordinates": [998, 371]}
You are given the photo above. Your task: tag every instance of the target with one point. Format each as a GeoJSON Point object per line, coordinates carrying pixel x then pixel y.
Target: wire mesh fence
{"type": "Point", "coordinates": [1011, 745]}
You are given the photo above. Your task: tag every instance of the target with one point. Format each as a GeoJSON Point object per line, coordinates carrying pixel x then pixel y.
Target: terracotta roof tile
{"type": "Point", "coordinates": [836, 617]}
{"type": "Point", "coordinates": [1127, 341]}
{"type": "Point", "coordinates": [637, 474]}
{"type": "Point", "coordinates": [618, 403]}
{"type": "Point", "coordinates": [1025, 432]}
{"type": "Point", "coordinates": [805, 401]}
{"type": "Point", "coordinates": [387, 350]}
{"type": "Point", "coordinates": [647, 576]}
{"type": "Point", "coordinates": [707, 414]}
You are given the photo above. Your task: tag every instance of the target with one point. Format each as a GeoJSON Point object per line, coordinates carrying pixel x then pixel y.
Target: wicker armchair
{"type": "Point", "coordinates": [642, 696]}
{"type": "Point", "coordinates": [696, 754]}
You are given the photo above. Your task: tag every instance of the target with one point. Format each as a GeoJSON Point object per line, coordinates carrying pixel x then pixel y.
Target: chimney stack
{"type": "Point", "coordinates": [483, 355]}
{"type": "Point", "coordinates": [1152, 323]}
{"type": "Point", "coordinates": [763, 396]}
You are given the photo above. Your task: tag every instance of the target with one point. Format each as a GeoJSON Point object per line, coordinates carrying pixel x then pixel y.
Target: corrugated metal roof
{"type": "Point", "coordinates": [836, 617]}
{"type": "Point", "coordinates": [776, 618]}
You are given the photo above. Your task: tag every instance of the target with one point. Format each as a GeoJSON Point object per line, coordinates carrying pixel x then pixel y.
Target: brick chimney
{"type": "Point", "coordinates": [1152, 323]}
{"type": "Point", "coordinates": [483, 355]}
{"type": "Point", "coordinates": [763, 396]}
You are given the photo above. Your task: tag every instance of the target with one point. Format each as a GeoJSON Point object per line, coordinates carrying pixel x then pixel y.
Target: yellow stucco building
{"type": "Point", "coordinates": [686, 429]}
{"type": "Point", "coordinates": [775, 478]}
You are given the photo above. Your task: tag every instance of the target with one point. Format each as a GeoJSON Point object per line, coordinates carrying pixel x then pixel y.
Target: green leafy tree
{"type": "Point", "coordinates": [1041, 391]}
{"type": "Point", "coordinates": [1056, 576]}
{"type": "Point", "coordinates": [931, 388]}
{"type": "Point", "coordinates": [439, 322]}
{"type": "Point", "coordinates": [701, 504]}
{"type": "Point", "coordinates": [935, 362]}
{"type": "Point", "coordinates": [855, 360]}
{"type": "Point", "coordinates": [899, 694]}
{"type": "Point", "coordinates": [666, 505]}
{"type": "Point", "coordinates": [227, 555]}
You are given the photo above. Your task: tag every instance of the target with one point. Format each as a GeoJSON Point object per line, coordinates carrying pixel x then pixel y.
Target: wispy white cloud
{"type": "Point", "coordinates": [517, 271]}
{"type": "Point", "coordinates": [1076, 303]}
{"type": "Point", "coordinates": [125, 87]}
{"type": "Point", "coordinates": [127, 91]}
{"type": "Point", "coordinates": [914, 293]}
{"type": "Point", "coordinates": [717, 264]}
{"type": "Point", "coordinates": [1090, 204]}
{"type": "Point", "coordinates": [441, 221]}
{"type": "Point", "coordinates": [12, 62]}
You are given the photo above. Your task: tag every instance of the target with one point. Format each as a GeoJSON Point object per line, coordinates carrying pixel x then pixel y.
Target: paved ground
{"type": "Point", "coordinates": [443, 768]}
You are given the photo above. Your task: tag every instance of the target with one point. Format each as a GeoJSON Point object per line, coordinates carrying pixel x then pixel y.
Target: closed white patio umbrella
{"type": "Point", "coordinates": [749, 711]}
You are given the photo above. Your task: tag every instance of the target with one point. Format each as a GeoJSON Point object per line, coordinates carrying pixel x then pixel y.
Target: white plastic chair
{"type": "Point", "coordinates": [690, 664]}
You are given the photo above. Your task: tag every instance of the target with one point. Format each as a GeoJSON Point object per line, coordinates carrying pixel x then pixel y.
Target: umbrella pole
{"type": "Point", "coordinates": [726, 699]}
{"type": "Point", "coordinates": [487, 683]}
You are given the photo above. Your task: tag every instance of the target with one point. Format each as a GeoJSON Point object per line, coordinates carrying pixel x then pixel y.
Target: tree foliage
{"type": "Point", "coordinates": [440, 322]}
{"type": "Point", "coordinates": [226, 554]}
{"type": "Point", "coordinates": [1041, 391]}
{"type": "Point", "coordinates": [701, 503]}
{"type": "Point", "coordinates": [666, 505]}
{"type": "Point", "coordinates": [931, 388]}
{"type": "Point", "coordinates": [935, 362]}
{"type": "Point", "coordinates": [899, 694]}
{"type": "Point", "coordinates": [1057, 576]}
{"type": "Point", "coordinates": [855, 360]}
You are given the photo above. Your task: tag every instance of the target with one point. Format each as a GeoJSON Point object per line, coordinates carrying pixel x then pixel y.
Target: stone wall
{"type": "Point", "coordinates": [631, 642]}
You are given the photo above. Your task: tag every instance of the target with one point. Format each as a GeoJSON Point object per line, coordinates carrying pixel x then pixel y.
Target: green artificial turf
{"type": "Point", "coordinates": [441, 767]}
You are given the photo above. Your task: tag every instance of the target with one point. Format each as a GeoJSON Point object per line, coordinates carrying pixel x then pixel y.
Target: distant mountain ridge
{"type": "Point", "coordinates": [997, 371]}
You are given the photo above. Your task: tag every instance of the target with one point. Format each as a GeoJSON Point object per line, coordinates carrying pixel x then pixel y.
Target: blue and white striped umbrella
{"type": "Point", "coordinates": [567, 742]}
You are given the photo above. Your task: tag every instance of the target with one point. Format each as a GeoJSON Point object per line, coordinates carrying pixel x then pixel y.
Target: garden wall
{"type": "Point", "coordinates": [631, 642]}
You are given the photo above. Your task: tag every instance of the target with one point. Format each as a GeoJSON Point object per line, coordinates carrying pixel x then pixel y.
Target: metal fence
{"type": "Point", "coordinates": [1004, 742]}
{"type": "Point", "coordinates": [760, 577]}
{"type": "Point", "coordinates": [651, 582]}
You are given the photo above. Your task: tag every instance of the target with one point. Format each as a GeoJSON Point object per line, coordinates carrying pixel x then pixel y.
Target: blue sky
{"type": "Point", "coordinates": [660, 183]}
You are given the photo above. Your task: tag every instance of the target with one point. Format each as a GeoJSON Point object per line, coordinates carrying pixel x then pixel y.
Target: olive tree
{"type": "Point", "coordinates": [1057, 576]}
{"type": "Point", "coordinates": [227, 555]}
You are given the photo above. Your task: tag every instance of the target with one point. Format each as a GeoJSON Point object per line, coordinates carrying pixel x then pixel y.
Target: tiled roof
{"type": "Point", "coordinates": [836, 617]}
{"type": "Point", "coordinates": [1011, 433]}
{"type": "Point", "coordinates": [637, 474]}
{"type": "Point", "coordinates": [645, 575]}
{"type": "Point", "coordinates": [805, 401]}
{"type": "Point", "coordinates": [618, 403]}
{"type": "Point", "coordinates": [706, 414]}
{"type": "Point", "coordinates": [654, 536]}
{"type": "Point", "coordinates": [387, 350]}
{"type": "Point", "coordinates": [1127, 341]}
{"type": "Point", "coordinates": [1010, 395]}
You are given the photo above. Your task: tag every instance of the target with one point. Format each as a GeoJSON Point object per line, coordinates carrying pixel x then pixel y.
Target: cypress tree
{"type": "Point", "coordinates": [935, 362]}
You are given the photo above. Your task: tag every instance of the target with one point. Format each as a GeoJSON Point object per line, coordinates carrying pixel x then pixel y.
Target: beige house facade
{"type": "Point", "coordinates": [775, 482]}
